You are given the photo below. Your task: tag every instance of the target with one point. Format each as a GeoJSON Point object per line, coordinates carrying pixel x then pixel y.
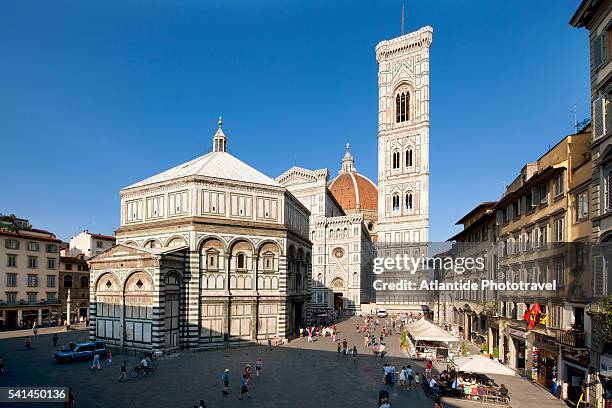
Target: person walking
{"type": "Point", "coordinates": [402, 378]}
{"type": "Point", "coordinates": [258, 366]}
{"type": "Point", "coordinates": [428, 367]}
{"type": "Point", "coordinates": [339, 350]}
{"type": "Point", "coordinates": [409, 376]}
{"type": "Point", "coordinates": [247, 373]}
{"type": "Point", "coordinates": [123, 377]}
{"type": "Point", "coordinates": [269, 346]}
{"type": "Point", "coordinates": [244, 387]}
{"type": "Point", "coordinates": [109, 358]}
{"type": "Point", "coordinates": [226, 379]}
{"type": "Point", "coordinates": [345, 347]}
{"type": "Point", "coordinates": [381, 350]}
{"type": "Point", "coordinates": [28, 343]}
{"type": "Point", "coordinates": [95, 364]}
{"type": "Point", "coordinates": [366, 341]}
{"type": "Point", "coordinates": [35, 329]}
{"type": "Point", "coordinates": [55, 339]}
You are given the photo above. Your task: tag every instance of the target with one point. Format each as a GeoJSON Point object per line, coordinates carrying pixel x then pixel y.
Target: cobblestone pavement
{"type": "Point", "coordinates": [299, 374]}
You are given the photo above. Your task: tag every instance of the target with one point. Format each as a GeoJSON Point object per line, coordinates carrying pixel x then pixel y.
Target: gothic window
{"type": "Point", "coordinates": [402, 106]}
{"type": "Point", "coordinates": [396, 202]}
{"type": "Point", "coordinates": [409, 158]}
{"type": "Point", "coordinates": [409, 201]}
{"type": "Point", "coordinates": [396, 160]}
{"type": "Point", "coordinates": [67, 281]}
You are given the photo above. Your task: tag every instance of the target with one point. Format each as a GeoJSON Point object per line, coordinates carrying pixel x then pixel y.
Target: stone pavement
{"type": "Point", "coordinates": [9, 334]}
{"type": "Point", "coordinates": [295, 375]}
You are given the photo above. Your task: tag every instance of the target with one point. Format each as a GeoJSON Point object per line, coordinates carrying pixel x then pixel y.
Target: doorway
{"type": "Point", "coordinates": [338, 302]}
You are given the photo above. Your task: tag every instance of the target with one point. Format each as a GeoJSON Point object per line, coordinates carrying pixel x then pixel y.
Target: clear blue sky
{"type": "Point", "coordinates": [97, 95]}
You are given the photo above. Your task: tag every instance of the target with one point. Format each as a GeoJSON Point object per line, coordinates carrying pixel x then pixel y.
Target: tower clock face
{"type": "Point", "coordinates": [338, 253]}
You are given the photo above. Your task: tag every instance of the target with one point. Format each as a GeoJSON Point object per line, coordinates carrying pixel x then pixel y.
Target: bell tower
{"type": "Point", "coordinates": [403, 137]}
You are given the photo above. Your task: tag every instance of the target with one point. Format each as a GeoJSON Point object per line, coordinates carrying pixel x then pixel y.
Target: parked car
{"type": "Point", "coordinates": [82, 351]}
{"type": "Point", "coordinates": [382, 313]}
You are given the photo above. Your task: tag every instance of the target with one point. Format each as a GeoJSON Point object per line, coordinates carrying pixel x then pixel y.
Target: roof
{"type": "Point", "coordinates": [218, 165]}
{"type": "Point", "coordinates": [25, 234]}
{"type": "Point", "coordinates": [584, 13]}
{"type": "Point", "coordinates": [102, 236]}
{"type": "Point", "coordinates": [483, 205]}
{"type": "Point", "coordinates": [354, 191]}
{"type": "Point", "coordinates": [152, 251]}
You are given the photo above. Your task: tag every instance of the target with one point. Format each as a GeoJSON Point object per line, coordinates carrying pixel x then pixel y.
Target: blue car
{"type": "Point", "coordinates": [82, 351]}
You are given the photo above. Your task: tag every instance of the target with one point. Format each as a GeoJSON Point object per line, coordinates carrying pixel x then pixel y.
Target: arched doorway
{"type": "Point", "coordinates": [337, 286]}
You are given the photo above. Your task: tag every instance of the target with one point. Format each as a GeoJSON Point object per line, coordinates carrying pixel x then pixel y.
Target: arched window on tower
{"type": "Point", "coordinates": [402, 107]}
{"type": "Point", "coordinates": [396, 160]}
{"type": "Point", "coordinates": [396, 202]}
{"type": "Point", "coordinates": [409, 202]}
{"type": "Point", "coordinates": [409, 158]}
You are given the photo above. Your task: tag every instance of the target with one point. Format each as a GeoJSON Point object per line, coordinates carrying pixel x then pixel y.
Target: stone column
{"type": "Point", "coordinates": [39, 317]}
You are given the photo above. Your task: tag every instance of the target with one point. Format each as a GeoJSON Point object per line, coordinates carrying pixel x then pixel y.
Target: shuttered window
{"type": "Point", "coordinates": [599, 276]}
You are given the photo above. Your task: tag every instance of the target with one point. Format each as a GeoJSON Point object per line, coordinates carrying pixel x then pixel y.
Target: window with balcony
{"type": "Point", "coordinates": [11, 297]}
{"type": "Point", "coordinates": [51, 296]}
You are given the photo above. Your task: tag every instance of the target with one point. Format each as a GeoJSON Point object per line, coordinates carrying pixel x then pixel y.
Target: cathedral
{"type": "Point", "coordinates": [213, 252]}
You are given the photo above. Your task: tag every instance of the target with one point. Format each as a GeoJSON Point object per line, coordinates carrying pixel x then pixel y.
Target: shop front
{"type": "Point", "coordinates": [544, 361]}
{"type": "Point", "coordinates": [518, 356]}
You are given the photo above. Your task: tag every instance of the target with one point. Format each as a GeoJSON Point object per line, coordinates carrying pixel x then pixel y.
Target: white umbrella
{"type": "Point", "coordinates": [481, 365]}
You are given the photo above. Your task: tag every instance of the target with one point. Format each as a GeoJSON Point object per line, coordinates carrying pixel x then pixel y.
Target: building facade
{"type": "Point", "coordinates": [89, 244]}
{"type": "Point", "coordinates": [74, 277]}
{"type": "Point", "coordinates": [210, 252]}
{"type": "Point", "coordinates": [342, 216]}
{"type": "Point", "coordinates": [596, 17]}
{"type": "Point", "coordinates": [543, 221]}
{"type": "Point", "coordinates": [472, 312]}
{"type": "Point", "coordinates": [28, 274]}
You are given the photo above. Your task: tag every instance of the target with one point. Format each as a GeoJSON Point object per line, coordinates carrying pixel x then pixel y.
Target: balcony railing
{"type": "Point", "coordinates": [572, 338]}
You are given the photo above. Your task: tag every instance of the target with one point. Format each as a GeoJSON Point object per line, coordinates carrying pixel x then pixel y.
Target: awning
{"type": "Point", "coordinates": [481, 365]}
{"type": "Point", "coordinates": [424, 330]}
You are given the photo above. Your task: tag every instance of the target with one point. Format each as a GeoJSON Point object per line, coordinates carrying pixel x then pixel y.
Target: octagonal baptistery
{"type": "Point", "coordinates": [211, 251]}
{"type": "Point", "coordinates": [356, 193]}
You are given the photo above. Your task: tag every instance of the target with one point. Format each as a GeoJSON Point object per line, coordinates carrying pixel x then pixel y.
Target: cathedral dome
{"type": "Point", "coordinates": [353, 191]}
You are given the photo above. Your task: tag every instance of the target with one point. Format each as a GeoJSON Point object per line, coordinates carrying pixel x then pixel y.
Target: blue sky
{"type": "Point", "coordinates": [97, 95]}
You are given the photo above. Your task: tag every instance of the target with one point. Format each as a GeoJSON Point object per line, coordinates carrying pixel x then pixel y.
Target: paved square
{"type": "Point", "coordinates": [296, 375]}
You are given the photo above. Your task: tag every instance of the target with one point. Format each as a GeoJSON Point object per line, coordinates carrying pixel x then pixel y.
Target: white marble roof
{"type": "Point", "coordinates": [220, 165]}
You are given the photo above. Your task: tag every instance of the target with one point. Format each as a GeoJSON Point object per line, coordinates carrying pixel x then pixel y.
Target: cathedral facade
{"type": "Point", "coordinates": [209, 252]}
{"type": "Point", "coordinates": [342, 223]}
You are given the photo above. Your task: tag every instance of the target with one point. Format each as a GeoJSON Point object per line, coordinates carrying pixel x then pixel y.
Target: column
{"type": "Point", "coordinates": [193, 298]}
{"type": "Point", "coordinates": [39, 317]}
{"type": "Point", "coordinates": [19, 316]}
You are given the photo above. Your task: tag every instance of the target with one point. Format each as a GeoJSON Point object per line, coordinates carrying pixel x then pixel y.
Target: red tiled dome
{"type": "Point", "coordinates": [354, 191]}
